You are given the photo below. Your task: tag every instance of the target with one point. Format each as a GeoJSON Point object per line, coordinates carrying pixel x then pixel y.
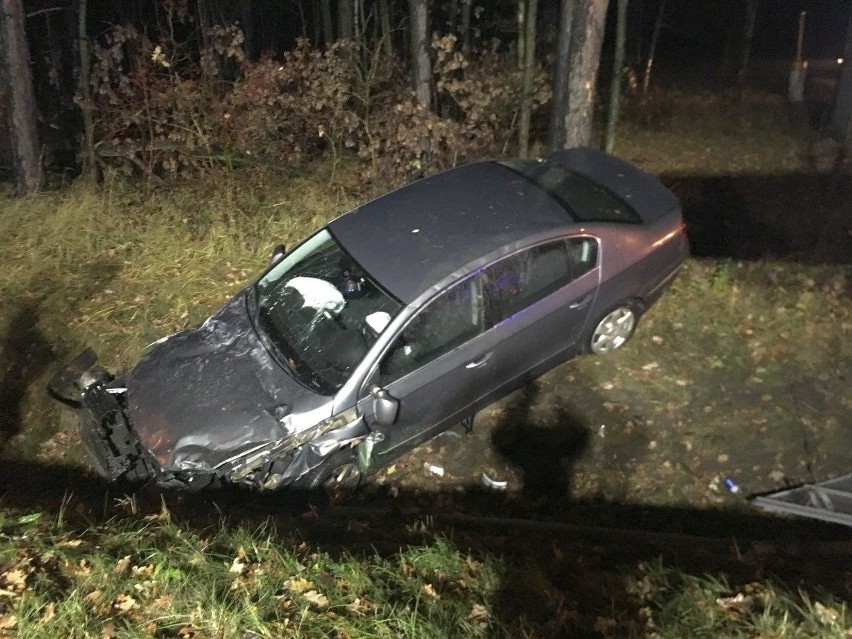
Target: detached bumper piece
{"type": "Point", "coordinates": [112, 445]}
{"type": "Point", "coordinates": [829, 501]}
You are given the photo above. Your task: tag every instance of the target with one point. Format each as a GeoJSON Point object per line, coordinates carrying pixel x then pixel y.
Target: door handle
{"type": "Point", "coordinates": [479, 362]}
{"type": "Point", "coordinates": [580, 303]}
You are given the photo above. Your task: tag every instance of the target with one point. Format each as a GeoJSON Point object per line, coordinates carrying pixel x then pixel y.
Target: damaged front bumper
{"type": "Point", "coordinates": [117, 454]}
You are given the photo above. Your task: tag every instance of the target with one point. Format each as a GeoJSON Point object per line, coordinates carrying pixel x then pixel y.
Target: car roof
{"type": "Point", "coordinates": [414, 237]}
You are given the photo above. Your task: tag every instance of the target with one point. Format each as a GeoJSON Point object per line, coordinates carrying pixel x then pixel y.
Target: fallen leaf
{"type": "Point", "coordinates": [7, 622]}
{"type": "Point", "coordinates": [238, 567]}
{"type": "Point", "coordinates": [122, 566]}
{"type": "Point", "coordinates": [825, 614]}
{"type": "Point", "coordinates": [429, 590]}
{"type": "Point", "coordinates": [143, 571]}
{"type": "Point", "coordinates": [298, 585]}
{"type": "Point", "coordinates": [359, 606]}
{"type": "Point", "coordinates": [124, 603]}
{"type": "Point", "coordinates": [316, 598]}
{"type": "Point", "coordinates": [478, 613]}
{"type": "Point", "coordinates": [49, 612]}
{"type": "Point", "coordinates": [14, 580]}
{"type": "Point", "coordinates": [737, 605]}
{"type": "Point", "coordinates": [70, 543]}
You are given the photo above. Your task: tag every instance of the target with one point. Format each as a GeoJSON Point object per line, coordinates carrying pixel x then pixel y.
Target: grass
{"type": "Point", "coordinates": [119, 269]}
{"type": "Point", "coordinates": [149, 576]}
{"type": "Point", "coordinates": [685, 605]}
{"type": "Point", "coordinates": [738, 360]}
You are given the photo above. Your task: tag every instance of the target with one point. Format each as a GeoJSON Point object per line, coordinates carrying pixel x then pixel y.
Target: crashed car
{"type": "Point", "coordinates": [393, 323]}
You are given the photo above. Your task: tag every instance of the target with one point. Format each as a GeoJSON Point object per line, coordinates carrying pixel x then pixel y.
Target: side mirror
{"type": "Point", "coordinates": [385, 407]}
{"type": "Point", "coordinates": [278, 254]}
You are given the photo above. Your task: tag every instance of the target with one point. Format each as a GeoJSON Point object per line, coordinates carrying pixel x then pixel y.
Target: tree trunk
{"type": "Point", "coordinates": [84, 91]}
{"type": "Point", "coordinates": [586, 40]}
{"type": "Point", "coordinates": [358, 29]}
{"type": "Point", "coordinates": [529, 68]}
{"type": "Point", "coordinates": [247, 14]}
{"type": "Point", "coordinates": [421, 66]}
{"type": "Point", "coordinates": [748, 37]}
{"type": "Point", "coordinates": [617, 68]}
{"type": "Point", "coordinates": [21, 107]}
{"type": "Point", "coordinates": [345, 19]}
{"type": "Point", "coordinates": [385, 26]}
{"type": "Point", "coordinates": [561, 76]}
{"type": "Point", "coordinates": [453, 17]}
{"type": "Point", "coordinates": [203, 23]}
{"type": "Point", "coordinates": [655, 36]}
{"type": "Point", "coordinates": [464, 30]}
{"type": "Point", "coordinates": [327, 29]}
{"type": "Point", "coordinates": [842, 116]}
{"type": "Point", "coordinates": [521, 18]}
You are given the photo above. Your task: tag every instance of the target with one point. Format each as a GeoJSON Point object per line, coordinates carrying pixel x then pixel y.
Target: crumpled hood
{"type": "Point", "coordinates": [206, 395]}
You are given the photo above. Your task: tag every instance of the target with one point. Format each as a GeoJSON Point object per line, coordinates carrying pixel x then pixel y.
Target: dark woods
{"type": "Point", "coordinates": [170, 88]}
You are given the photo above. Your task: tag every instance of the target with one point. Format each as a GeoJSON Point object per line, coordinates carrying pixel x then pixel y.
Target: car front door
{"type": "Point", "coordinates": [438, 365]}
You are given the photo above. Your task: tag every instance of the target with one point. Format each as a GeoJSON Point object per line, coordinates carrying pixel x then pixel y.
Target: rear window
{"type": "Point", "coordinates": [583, 199]}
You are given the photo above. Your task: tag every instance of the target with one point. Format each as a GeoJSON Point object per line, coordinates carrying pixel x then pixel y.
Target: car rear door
{"type": "Point", "coordinates": [537, 304]}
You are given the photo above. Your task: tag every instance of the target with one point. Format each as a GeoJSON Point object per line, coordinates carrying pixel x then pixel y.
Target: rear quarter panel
{"type": "Point", "coordinates": [637, 260]}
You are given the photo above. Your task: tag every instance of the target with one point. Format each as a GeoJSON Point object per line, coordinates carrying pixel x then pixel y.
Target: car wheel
{"type": "Point", "coordinates": [343, 476]}
{"type": "Point", "coordinates": [613, 330]}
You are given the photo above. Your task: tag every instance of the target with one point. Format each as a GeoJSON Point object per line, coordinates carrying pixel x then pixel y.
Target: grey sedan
{"type": "Point", "coordinates": [389, 325]}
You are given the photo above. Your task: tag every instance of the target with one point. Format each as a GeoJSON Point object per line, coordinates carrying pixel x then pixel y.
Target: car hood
{"type": "Point", "coordinates": [202, 397]}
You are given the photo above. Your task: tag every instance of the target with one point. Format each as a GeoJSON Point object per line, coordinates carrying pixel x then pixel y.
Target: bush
{"type": "Point", "coordinates": [165, 110]}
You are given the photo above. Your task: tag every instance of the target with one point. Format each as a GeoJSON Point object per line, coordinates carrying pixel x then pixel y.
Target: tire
{"type": "Point", "coordinates": [613, 329]}
{"type": "Point", "coordinates": [343, 475]}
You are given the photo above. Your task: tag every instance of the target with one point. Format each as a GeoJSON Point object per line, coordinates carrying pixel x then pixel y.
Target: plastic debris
{"type": "Point", "coordinates": [493, 484]}
{"type": "Point", "coordinates": [602, 431]}
{"type": "Point", "coordinates": [731, 486]}
{"type": "Point", "coordinates": [435, 470]}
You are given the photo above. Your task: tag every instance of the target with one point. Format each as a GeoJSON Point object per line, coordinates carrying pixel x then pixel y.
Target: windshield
{"type": "Point", "coordinates": [322, 312]}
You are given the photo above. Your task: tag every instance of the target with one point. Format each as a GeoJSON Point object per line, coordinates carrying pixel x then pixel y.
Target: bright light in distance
{"type": "Point", "coordinates": [839, 60]}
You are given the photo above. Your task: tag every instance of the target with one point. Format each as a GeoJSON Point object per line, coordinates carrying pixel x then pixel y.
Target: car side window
{"type": "Point", "coordinates": [447, 322]}
{"type": "Point", "coordinates": [514, 283]}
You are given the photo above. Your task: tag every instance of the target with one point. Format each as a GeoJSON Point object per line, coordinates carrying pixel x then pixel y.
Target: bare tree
{"type": "Point", "coordinates": [327, 29]}
{"type": "Point", "coordinates": [385, 27]}
{"type": "Point", "coordinates": [84, 92]}
{"type": "Point", "coordinates": [655, 36]}
{"type": "Point", "coordinates": [586, 40]}
{"type": "Point", "coordinates": [561, 75]}
{"type": "Point", "coordinates": [842, 116]}
{"type": "Point", "coordinates": [529, 68]}
{"type": "Point", "coordinates": [748, 37]}
{"type": "Point", "coordinates": [617, 68]}
{"type": "Point", "coordinates": [26, 156]}
{"type": "Point", "coordinates": [345, 19]}
{"type": "Point", "coordinates": [464, 29]}
{"type": "Point", "coordinates": [421, 66]}
{"type": "Point", "coordinates": [521, 16]}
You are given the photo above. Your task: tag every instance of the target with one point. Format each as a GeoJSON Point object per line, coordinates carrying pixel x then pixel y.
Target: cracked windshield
{"type": "Point", "coordinates": [322, 312]}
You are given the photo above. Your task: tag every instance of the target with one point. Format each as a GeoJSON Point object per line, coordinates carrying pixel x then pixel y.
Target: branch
{"type": "Point", "coordinates": [33, 14]}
